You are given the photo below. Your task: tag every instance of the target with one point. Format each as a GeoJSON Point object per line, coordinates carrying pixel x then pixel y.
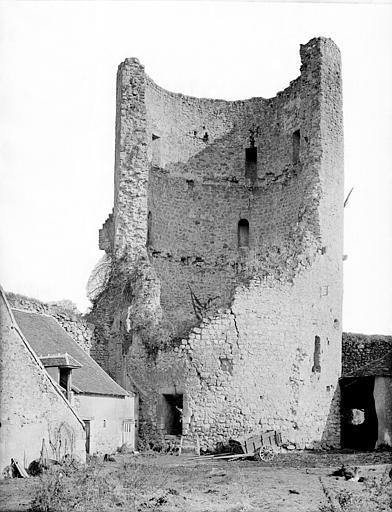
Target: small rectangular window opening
{"type": "Point", "coordinates": [317, 355]}
{"type": "Point", "coordinates": [296, 146]}
{"type": "Point", "coordinates": [324, 291]}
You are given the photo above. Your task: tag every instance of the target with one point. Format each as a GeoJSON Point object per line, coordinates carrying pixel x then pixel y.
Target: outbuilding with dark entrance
{"type": "Point", "coordinates": [366, 391]}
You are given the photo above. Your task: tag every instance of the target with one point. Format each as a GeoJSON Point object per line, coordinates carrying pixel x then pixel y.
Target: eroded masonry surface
{"type": "Point", "coordinates": [222, 300]}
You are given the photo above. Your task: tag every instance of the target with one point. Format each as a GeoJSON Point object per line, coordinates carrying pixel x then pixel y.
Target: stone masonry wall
{"type": "Point", "coordinates": [194, 234]}
{"type": "Point", "coordinates": [81, 331]}
{"type": "Point", "coordinates": [131, 169]}
{"type": "Point", "coordinates": [268, 355]}
{"type": "Point", "coordinates": [250, 368]}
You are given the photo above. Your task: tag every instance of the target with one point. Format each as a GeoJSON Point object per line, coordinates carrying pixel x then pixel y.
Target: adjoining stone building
{"type": "Point", "coordinates": [54, 398]}
{"type": "Point", "coordinates": [224, 301]}
{"type": "Point", "coordinates": [106, 409]}
{"type": "Point", "coordinates": [366, 391]}
{"type": "Point", "coordinates": [33, 410]}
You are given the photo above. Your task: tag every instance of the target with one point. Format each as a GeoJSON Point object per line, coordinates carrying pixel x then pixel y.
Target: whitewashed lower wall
{"type": "Point", "coordinates": [106, 415]}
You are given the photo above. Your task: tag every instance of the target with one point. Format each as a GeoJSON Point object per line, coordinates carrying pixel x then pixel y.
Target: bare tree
{"type": "Point", "coordinates": [99, 277]}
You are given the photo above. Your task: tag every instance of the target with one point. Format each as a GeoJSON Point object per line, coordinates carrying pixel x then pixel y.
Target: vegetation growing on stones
{"type": "Point", "coordinates": [99, 277]}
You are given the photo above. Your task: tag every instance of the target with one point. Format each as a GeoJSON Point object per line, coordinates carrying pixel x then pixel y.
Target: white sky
{"type": "Point", "coordinates": [57, 101]}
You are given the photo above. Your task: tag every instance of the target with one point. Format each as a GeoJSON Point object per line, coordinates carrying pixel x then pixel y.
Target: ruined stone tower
{"type": "Point", "coordinates": [225, 242]}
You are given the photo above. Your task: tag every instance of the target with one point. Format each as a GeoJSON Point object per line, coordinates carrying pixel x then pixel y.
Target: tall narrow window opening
{"type": "Point", "coordinates": [296, 146]}
{"type": "Point", "coordinates": [243, 233]}
{"type": "Point", "coordinates": [156, 150]}
{"type": "Point", "coordinates": [251, 155]}
{"type": "Point", "coordinates": [87, 430]}
{"type": "Point", "coordinates": [317, 355]}
{"type": "Point", "coordinates": [251, 163]}
{"type": "Point", "coordinates": [149, 226]}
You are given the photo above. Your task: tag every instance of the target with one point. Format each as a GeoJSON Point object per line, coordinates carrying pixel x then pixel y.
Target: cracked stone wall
{"type": "Point", "coordinates": [182, 183]}
{"type": "Point", "coordinates": [239, 371]}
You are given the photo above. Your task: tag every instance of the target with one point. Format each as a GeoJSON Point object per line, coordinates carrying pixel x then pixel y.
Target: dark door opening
{"type": "Point", "coordinates": [172, 414]}
{"type": "Point", "coordinates": [87, 429]}
{"type": "Point", "coordinates": [65, 381]}
{"type": "Point", "coordinates": [358, 413]}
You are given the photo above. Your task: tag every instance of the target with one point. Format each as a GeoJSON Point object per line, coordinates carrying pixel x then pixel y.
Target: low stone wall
{"type": "Point", "coordinates": [364, 354]}
{"type": "Point", "coordinates": [81, 331]}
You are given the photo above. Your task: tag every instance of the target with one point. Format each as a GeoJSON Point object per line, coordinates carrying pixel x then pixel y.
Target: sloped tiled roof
{"type": "Point", "coordinates": [47, 337]}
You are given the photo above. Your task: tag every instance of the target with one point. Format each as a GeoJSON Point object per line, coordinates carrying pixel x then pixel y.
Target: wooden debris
{"type": "Point", "coordinates": [21, 470]}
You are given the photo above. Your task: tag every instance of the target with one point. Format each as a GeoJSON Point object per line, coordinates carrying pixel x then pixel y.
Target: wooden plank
{"type": "Point", "coordinates": [236, 456]}
{"type": "Point", "coordinates": [206, 457]}
{"type": "Point", "coordinates": [180, 448]}
{"type": "Point", "coordinates": [23, 473]}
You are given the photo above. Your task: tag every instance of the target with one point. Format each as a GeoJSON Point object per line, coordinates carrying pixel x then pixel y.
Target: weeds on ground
{"type": "Point", "coordinates": [93, 488]}
{"type": "Point", "coordinates": [241, 496]}
{"type": "Point", "coordinates": [375, 495]}
{"type": "Point", "coordinates": [85, 489]}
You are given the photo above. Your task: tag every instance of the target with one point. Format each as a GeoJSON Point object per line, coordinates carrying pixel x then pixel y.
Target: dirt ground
{"type": "Point", "coordinates": [297, 481]}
